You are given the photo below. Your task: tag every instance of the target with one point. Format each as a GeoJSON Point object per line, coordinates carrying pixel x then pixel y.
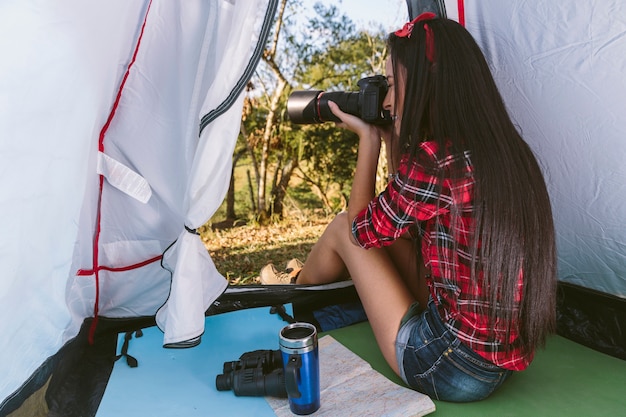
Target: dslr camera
{"type": "Point", "coordinates": [311, 106]}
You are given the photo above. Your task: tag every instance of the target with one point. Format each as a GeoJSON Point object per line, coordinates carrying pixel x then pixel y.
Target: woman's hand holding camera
{"type": "Point", "coordinates": [358, 126]}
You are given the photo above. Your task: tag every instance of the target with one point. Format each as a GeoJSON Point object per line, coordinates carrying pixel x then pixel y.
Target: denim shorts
{"type": "Point", "coordinates": [433, 361]}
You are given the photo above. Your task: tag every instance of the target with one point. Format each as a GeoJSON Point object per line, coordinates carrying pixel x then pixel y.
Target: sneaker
{"type": "Point", "coordinates": [272, 276]}
{"type": "Point", "coordinates": [293, 267]}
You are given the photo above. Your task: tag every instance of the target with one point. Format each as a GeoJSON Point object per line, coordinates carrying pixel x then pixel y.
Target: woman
{"type": "Point", "coordinates": [454, 261]}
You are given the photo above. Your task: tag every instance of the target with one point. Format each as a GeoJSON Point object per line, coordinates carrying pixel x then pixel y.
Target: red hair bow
{"type": "Point", "coordinates": [407, 29]}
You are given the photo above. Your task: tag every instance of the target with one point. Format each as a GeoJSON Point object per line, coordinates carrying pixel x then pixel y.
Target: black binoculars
{"type": "Point", "coordinates": [256, 373]}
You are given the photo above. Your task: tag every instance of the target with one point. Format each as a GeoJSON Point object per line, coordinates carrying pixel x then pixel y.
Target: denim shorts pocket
{"type": "Point", "coordinates": [423, 356]}
{"type": "Point", "coordinates": [476, 368]}
{"type": "Point", "coordinates": [435, 363]}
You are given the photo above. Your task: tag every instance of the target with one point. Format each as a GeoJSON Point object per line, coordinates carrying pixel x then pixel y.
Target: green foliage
{"type": "Point", "coordinates": [326, 52]}
{"type": "Point", "coordinates": [341, 55]}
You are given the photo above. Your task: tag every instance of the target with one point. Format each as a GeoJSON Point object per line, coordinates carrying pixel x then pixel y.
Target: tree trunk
{"type": "Point", "coordinates": [269, 57]}
{"type": "Point", "coordinates": [280, 188]}
{"type": "Point", "coordinates": [230, 196]}
{"type": "Point", "coordinates": [270, 126]}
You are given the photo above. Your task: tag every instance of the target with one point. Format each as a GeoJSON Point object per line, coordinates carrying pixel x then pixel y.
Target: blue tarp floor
{"type": "Point", "coordinates": [181, 382]}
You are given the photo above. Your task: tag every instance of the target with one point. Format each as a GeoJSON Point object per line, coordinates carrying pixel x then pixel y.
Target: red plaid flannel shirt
{"type": "Point", "coordinates": [414, 201]}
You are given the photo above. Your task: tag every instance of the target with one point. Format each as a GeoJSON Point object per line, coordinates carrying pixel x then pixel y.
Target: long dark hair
{"type": "Point", "coordinates": [454, 100]}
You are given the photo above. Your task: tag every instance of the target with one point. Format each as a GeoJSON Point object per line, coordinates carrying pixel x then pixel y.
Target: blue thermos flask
{"type": "Point", "coordinates": [298, 346]}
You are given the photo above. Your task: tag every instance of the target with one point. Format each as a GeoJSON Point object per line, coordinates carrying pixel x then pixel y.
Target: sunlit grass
{"type": "Point", "coordinates": [239, 252]}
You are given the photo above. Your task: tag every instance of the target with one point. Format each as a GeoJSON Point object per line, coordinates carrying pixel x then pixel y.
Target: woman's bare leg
{"type": "Point", "coordinates": [381, 288]}
{"type": "Point", "coordinates": [323, 264]}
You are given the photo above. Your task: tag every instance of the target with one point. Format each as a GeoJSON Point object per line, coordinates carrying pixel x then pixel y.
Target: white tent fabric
{"type": "Point", "coordinates": [61, 67]}
{"type": "Point", "coordinates": [560, 67]}
{"type": "Point", "coordinates": [196, 281]}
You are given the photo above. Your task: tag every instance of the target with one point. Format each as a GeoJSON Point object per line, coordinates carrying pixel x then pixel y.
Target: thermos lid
{"type": "Point", "coordinates": [298, 335]}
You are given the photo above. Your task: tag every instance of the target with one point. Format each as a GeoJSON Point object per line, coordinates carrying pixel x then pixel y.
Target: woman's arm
{"type": "Point", "coordinates": [364, 183]}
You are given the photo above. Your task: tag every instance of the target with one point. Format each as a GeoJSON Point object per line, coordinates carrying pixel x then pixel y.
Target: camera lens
{"type": "Point", "coordinates": [311, 106]}
{"type": "Point", "coordinates": [302, 107]}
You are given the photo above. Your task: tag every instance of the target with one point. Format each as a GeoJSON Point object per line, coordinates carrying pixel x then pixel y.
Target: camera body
{"type": "Point", "coordinates": [311, 106]}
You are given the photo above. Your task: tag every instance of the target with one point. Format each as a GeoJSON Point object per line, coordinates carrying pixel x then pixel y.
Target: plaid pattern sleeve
{"type": "Point", "coordinates": [413, 196]}
{"type": "Point", "coordinates": [424, 195]}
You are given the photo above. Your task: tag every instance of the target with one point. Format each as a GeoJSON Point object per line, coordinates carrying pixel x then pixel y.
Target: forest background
{"type": "Point", "coordinates": [288, 181]}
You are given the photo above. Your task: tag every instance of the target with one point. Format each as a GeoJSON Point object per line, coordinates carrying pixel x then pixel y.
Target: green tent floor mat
{"type": "Point", "coordinates": [565, 379]}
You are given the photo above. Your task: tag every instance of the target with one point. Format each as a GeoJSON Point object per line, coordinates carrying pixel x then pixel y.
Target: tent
{"type": "Point", "coordinates": [117, 124]}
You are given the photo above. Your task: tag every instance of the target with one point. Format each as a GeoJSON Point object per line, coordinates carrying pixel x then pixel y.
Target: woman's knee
{"type": "Point", "coordinates": [339, 227]}
{"type": "Point", "coordinates": [341, 219]}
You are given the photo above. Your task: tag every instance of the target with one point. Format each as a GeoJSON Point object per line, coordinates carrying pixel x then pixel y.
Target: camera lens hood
{"type": "Point", "coordinates": [302, 106]}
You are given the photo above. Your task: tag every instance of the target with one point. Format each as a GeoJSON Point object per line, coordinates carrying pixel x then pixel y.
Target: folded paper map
{"type": "Point", "coordinates": [351, 387]}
